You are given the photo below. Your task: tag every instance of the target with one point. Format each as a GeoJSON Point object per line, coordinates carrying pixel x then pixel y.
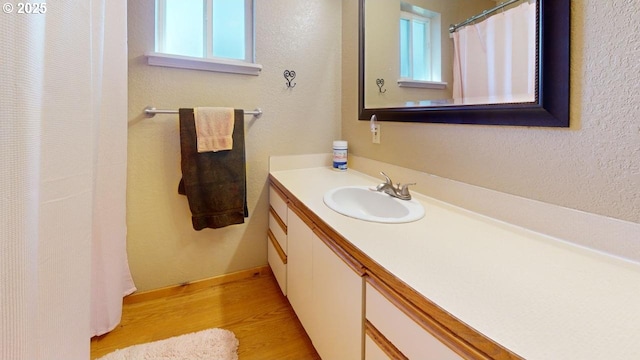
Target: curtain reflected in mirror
{"type": "Point", "coordinates": [495, 59]}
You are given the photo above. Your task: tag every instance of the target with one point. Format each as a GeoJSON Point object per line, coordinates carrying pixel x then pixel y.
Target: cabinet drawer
{"type": "Point", "coordinates": [278, 232]}
{"type": "Point", "coordinates": [278, 265]}
{"type": "Point", "coordinates": [278, 204]}
{"type": "Point", "coordinates": [373, 351]}
{"type": "Point", "coordinates": [405, 334]}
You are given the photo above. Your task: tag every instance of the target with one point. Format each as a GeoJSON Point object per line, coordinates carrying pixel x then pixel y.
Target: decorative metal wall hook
{"type": "Point", "coordinates": [380, 83]}
{"type": "Point", "coordinates": [289, 75]}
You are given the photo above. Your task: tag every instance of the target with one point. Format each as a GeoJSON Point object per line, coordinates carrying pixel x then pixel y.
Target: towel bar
{"type": "Point", "coordinates": [151, 112]}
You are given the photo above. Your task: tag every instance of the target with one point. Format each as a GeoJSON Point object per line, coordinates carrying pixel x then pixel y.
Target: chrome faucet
{"type": "Point", "coordinates": [400, 191]}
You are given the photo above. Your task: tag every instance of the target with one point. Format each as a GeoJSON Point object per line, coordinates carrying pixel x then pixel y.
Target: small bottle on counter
{"type": "Point", "coordinates": [340, 149]}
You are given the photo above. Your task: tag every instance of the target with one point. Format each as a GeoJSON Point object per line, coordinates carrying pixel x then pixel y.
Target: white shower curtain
{"type": "Point", "coordinates": [494, 60]}
{"type": "Point", "coordinates": [63, 153]}
{"type": "Point", "coordinates": [110, 275]}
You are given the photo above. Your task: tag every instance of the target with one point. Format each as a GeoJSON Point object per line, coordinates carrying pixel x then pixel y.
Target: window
{"type": "Point", "coordinates": [415, 46]}
{"type": "Point", "coordinates": [420, 53]}
{"type": "Point", "coordinates": [214, 35]}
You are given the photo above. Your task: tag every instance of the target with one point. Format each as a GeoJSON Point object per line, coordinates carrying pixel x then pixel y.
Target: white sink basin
{"type": "Point", "coordinates": [362, 203]}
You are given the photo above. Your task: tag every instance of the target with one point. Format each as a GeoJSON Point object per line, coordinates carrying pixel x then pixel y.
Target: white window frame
{"type": "Point", "coordinates": [434, 48]}
{"type": "Point", "coordinates": [413, 18]}
{"type": "Point", "coordinates": [209, 62]}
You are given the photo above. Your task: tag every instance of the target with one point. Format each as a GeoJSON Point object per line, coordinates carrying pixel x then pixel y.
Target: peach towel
{"type": "Point", "coordinates": [214, 128]}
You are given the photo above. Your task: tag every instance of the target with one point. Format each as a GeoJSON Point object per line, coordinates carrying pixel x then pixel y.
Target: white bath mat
{"type": "Point", "coordinates": [212, 344]}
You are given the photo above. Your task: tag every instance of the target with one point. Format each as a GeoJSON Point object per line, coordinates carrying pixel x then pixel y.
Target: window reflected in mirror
{"type": "Point", "coordinates": [420, 48]}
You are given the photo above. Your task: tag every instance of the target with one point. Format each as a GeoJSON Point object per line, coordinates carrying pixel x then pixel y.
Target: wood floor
{"type": "Point", "coordinates": [253, 308]}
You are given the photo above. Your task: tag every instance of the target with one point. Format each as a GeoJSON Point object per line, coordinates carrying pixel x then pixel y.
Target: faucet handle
{"type": "Point", "coordinates": [404, 189]}
{"type": "Point", "coordinates": [387, 179]}
{"type": "Point", "coordinates": [386, 184]}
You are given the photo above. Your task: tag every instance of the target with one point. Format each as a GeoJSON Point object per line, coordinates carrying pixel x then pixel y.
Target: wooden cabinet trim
{"type": "Point", "coordinates": [427, 322]}
{"type": "Point", "coordinates": [275, 215]}
{"type": "Point", "coordinates": [286, 195]}
{"type": "Point", "coordinates": [282, 194]}
{"type": "Point", "coordinates": [277, 246]}
{"type": "Point", "coordinates": [356, 266]}
{"type": "Point", "coordinates": [383, 343]}
{"type": "Point", "coordinates": [473, 344]}
{"type": "Point", "coordinates": [303, 215]}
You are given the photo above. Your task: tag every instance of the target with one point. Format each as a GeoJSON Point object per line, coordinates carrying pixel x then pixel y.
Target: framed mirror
{"type": "Point", "coordinates": [387, 90]}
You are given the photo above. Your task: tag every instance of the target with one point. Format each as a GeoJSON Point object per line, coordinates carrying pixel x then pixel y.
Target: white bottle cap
{"type": "Point", "coordinates": [342, 144]}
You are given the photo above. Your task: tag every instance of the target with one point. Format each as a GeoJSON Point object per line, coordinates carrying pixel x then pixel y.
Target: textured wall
{"type": "Point", "coordinates": [593, 166]}
{"type": "Point", "coordinates": [302, 36]}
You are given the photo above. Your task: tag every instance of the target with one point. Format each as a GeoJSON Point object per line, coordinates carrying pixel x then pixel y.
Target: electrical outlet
{"type": "Point", "coordinates": [375, 134]}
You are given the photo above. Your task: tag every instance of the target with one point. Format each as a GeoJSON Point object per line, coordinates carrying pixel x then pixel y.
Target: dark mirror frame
{"type": "Point", "coordinates": [551, 108]}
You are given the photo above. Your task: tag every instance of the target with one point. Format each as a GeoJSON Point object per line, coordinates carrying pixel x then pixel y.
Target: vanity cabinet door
{"type": "Point", "coordinates": [337, 295]}
{"type": "Point", "coordinates": [393, 329]}
{"type": "Point", "coordinates": [325, 293]}
{"type": "Point", "coordinates": [299, 269]}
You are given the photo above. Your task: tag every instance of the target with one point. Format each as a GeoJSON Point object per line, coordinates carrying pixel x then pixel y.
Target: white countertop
{"type": "Point", "coordinates": [539, 297]}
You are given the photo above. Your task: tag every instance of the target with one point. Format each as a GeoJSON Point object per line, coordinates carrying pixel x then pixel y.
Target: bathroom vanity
{"type": "Point", "coordinates": [456, 284]}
